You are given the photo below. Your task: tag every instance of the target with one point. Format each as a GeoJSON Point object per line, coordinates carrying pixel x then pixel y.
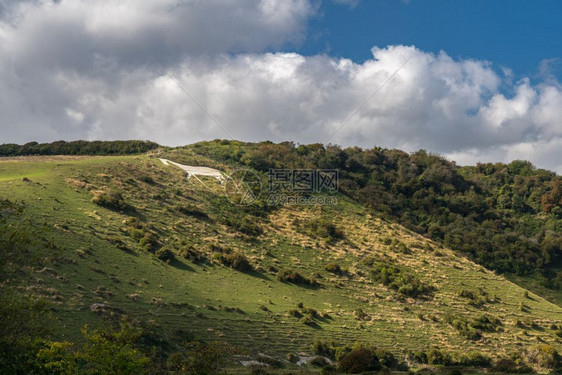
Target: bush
{"type": "Point", "coordinates": [322, 228]}
{"type": "Point", "coordinates": [306, 320]}
{"type": "Point", "coordinates": [294, 312]}
{"type": "Point", "coordinates": [509, 366]}
{"type": "Point", "coordinates": [418, 357]}
{"type": "Point", "coordinates": [319, 362]}
{"type": "Point", "coordinates": [192, 254]}
{"type": "Point", "coordinates": [399, 279]}
{"type": "Point", "coordinates": [149, 241]}
{"type": "Point", "coordinates": [437, 357]}
{"type": "Point", "coordinates": [359, 360]}
{"type": "Point", "coordinates": [165, 254]}
{"type": "Point", "coordinates": [236, 260]}
{"type": "Point", "coordinates": [386, 359]}
{"type": "Point", "coordinates": [147, 179]}
{"type": "Point", "coordinates": [293, 277]}
{"type": "Point", "coordinates": [475, 359]}
{"type": "Point", "coordinates": [105, 352]}
{"type": "Point", "coordinates": [110, 199]}
{"type": "Point", "coordinates": [333, 267]}
{"type": "Point", "coordinates": [545, 356]}
{"type": "Point", "coordinates": [246, 225]}
{"type": "Point", "coordinates": [313, 313]}
{"type": "Point", "coordinates": [321, 347]}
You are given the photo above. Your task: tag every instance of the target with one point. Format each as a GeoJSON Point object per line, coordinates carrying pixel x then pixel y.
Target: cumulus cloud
{"type": "Point", "coordinates": [77, 69]}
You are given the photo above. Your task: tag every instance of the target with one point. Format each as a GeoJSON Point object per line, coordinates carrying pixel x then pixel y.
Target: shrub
{"type": "Point", "coordinates": [104, 352]}
{"type": "Point", "coordinates": [322, 228]}
{"type": "Point", "coordinates": [321, 347]}
{"type": "Point", "coordinates": [294, 312]}
{"type": "Point", "coordinates": [472, 330]}
{"type": "Point", "coordinates": [149, 241]}
{"type": "Point", "coordinates": [509, 366]}
{"type": "Point", "coordinates": [147, 179]}
{"type": "Point", "coordinates": [192, 254]}
{"type": "Point", "coordinates": [236, 260]}
{"type": "Point", "coordinates": [165, 254]}
{"type": "Point", "coordinates": [418, 357]}
{"type": "Point", "coordinates": [246, 225]}
{"type": "Point", "coordinates": [399, 279]}
{"type": "Point", "coordinates": [544, 355]}
{"type": "Point", "coordinates": [319, 362]}
{"type": "Point", "coordinates": [293, 277]}
{"type": "Point", "coordinates": [486, 323]}
{"type": "Point", "coordinates": [306, 320]}
{"type": "Point", "coordinates": [386, 359]}
{"type": "Point", "coordinates": [333, 267]}
{"type": "Point", "coordinates": [360, 314]}
{"type": "Point", "coordinates": [110, 199]}
{"type": "Point", "coordinates": [437, 357]}
{"type": "Point", "coordinates": [476, 299]}
{"type": "Point", "coordinates": [359, 360]}
{"type": "Point", "coordinates": [312, 313]}
{"type": "Point", "coordinates": [475, 359]}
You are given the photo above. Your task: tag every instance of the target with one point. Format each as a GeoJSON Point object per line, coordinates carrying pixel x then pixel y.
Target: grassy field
{"type": "Point", "coordinates": [100, 259]}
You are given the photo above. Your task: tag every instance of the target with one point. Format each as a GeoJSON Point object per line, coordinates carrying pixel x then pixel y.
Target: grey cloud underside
{"type": "Point", "coordinates": [92, 69]}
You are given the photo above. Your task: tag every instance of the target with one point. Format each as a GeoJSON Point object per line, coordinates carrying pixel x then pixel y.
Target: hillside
{"type": "Point", "coordinates": [136, 237]}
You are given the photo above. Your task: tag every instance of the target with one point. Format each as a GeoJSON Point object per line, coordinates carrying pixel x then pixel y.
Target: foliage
{"type": "Point", "coordinates": [509, 366]}
{"type": "Point", "coordinates": [293, 277]}
{"type": "Point", "coordinates": [78, 148]}
{"type": "Point", "coordinates": [245, 224]}
{"type": "Point", "coordinates": [472, 329]}
{"type": "Point", "coordinates": [359, 360]}
{"type": "Point", "coordinates": [324, 348]}
{"type": "Point", "coordinates": [165, 254]}
{"type": "Point", "coordinates": [104, 352]}
{"type": "Point", "coordinates": [399, 279]}
{"type": "Point", "coordinates": [545, 356]}
{"type": "Point", "coordinates": [22, 317]}
{"type": "Point", "coordinates": [334, 267]}
{"type": "Point", "coordinates": [362, 358]}
{"type": "Point", "coordinates": [110, 199]}
{"type": "Point", "coordinates": [200, 358]}
{"type": "Point", "coordinates": [235, 260]}
{"type": "Point", "coordinates": [193, 254]}
{"type": "Point", "coordinates": [324, 229]}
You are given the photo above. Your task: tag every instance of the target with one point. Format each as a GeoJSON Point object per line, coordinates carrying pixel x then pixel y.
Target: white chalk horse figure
{"type": "Point", "coordinates": [197, 171]}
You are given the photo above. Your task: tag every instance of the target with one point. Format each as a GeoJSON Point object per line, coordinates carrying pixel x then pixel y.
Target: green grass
{"type": "Point", "coordinates": [198, 298]}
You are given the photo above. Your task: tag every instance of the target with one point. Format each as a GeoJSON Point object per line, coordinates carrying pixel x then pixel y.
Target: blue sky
{"type": "Point", "coordinates": [518, 34]}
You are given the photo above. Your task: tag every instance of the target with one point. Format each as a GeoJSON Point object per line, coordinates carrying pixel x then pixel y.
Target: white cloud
{"type": "Point", "coordinates": [91, 70]}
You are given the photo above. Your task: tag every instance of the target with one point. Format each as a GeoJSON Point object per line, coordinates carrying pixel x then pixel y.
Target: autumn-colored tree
{"type": "Point", "coordinates": [552, 199]}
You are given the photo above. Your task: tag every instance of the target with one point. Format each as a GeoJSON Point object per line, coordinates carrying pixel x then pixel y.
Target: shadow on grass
{"type": "Point", "coordinates": [257, 274]}
{"type": "Point", "coordinates": [181, 265]}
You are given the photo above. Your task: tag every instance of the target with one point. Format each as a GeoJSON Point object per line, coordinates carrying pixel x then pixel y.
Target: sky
{"type": "Point", "coordinates": [470, 80]}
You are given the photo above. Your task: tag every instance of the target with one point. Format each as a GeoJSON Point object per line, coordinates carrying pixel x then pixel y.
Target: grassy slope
{"type": "Point", "coordinates": [188, 296]}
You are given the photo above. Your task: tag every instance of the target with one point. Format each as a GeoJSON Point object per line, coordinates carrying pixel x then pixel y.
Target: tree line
{"type": "Point", "coordinates": [78, 148]}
